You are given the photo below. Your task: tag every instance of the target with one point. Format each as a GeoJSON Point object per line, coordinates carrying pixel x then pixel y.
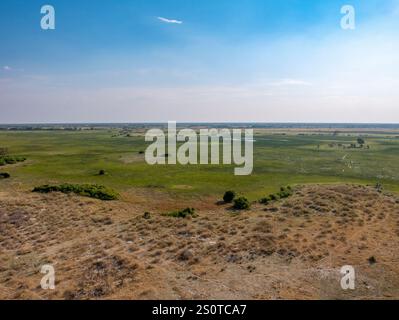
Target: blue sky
{"type": "Point", "coordinates": [227, 60]}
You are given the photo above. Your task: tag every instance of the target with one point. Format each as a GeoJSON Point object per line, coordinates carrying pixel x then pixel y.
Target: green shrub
{"type": "Point", "coordinates": [10, 159]}
{"type": "Point", "coordinates": [4, 175]}
{"type": "Point", "coordinates": [241, 203]}
{"type": "Point", "coordinates": [274, 197]}
{"type": "Point", "coordinates": [19, 159]}
{"type": "Point", "coordinates": [86, 190]}
{"type": "Point", "coordinates": [101, 172]}
{"type": "Point", "coordinates": [229, 196]}
{"type": "Point", "coordinates": [182, 213]}
{"type": "Point", "coordinates": [265, 200]}
{"type": "Point", "coordinates": [284, 192]}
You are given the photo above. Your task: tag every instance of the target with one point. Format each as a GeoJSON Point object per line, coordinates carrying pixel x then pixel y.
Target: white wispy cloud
{"type": "Point", "coordinates": [290, 82]}
{"type": "Point", "coordinates": [7, 68]}
{"type": "Point", "coordinates": [170, 20]}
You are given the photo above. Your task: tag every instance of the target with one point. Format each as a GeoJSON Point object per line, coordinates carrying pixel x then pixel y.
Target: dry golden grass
{"type": "Point", "coordinates": [293, 248]}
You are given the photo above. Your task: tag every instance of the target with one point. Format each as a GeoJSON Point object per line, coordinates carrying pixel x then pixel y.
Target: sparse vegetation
{"type": "Point", "coordinates": [116, 238]}
{"type": "Point", "coordinates": [147, 215]}
{"type": "Point", "coordinates": [181, 213]}
{"type": "Point", "coordinates": [229, 196]}
{"type": "Point", "coordinates": [241, 203]}
{"type": "Point", "coordinates": [372, 260]}
{"type": "Point", "coordinates": [87, 190]}
{"type": "Point", "coordinates": [185, 255]}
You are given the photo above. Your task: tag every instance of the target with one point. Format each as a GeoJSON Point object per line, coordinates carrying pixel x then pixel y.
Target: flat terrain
{"type": "Point", "coordinates": [289, 249]}
{"type": "Point", "coordinates": [279, 159]}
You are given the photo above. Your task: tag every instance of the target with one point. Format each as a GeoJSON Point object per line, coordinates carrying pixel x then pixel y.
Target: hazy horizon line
{"type": "Point", "coordinates": [198, 122]}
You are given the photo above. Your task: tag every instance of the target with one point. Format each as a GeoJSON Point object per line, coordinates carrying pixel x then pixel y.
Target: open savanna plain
{"type": "Point", "coordinates": [344, 210]}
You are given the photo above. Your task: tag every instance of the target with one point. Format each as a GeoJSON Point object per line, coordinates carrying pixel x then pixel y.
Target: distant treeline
{"type": "Point", "coordinates": [42, 129]}
{"type": "Point", "coordinates": [254, 125]}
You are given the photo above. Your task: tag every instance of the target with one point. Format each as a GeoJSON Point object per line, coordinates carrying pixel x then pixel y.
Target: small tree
{"type": "Point", "coordinates": [229, 196]}
{"type": "Point", "coordinates": [101, 172]}
{"type": "Point", "coordinates": [360, 141]}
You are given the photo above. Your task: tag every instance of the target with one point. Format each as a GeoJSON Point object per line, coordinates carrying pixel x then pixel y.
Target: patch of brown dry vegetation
{"type": "Point", "coordinates": [289, 249]}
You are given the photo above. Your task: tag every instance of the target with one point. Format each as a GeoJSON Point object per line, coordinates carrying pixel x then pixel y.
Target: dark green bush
{"type": "Point", "coordinates": [4, 175]}
{"type": "Point", "coordinates": [241, 203]}
{"type": "Point", "coordinates": [101, 172]}
{"type": "Point", "coordinates": [182, 213]}
{"type": "Point", "coordinates": [229, 196]}
{"type": "Point", "coordinates": [87, 190]}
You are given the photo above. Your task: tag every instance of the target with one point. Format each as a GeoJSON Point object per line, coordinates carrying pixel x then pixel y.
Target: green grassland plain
{"type": "Point", "coordinates": [280, 158]}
